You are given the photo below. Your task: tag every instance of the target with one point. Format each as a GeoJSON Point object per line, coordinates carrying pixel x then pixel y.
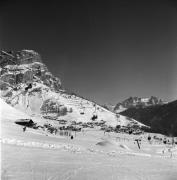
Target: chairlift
{"type": "Point", "coordinates": [94, 117]}
{"type": "Point", "coordinates": [83, 109]}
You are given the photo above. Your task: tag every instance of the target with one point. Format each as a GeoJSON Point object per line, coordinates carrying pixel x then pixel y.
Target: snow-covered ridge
{"type": "Point", "coordinates": [138, 102]}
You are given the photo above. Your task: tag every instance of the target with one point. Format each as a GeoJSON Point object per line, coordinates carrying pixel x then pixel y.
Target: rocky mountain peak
{"type": "Point", "coordinates": [138, 102]}
{"type": "Point", "coordinates": [24, 67]}
{"type": "Point", "coordinates": [19, 57]}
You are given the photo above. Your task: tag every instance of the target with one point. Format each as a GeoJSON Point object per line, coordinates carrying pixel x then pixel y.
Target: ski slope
{"type": "Point", "coordinates": [90, 155]}
{"type": "Point", "coordinates": [82, 109]}
{"type": "Point", "coordinates": [10, 113]}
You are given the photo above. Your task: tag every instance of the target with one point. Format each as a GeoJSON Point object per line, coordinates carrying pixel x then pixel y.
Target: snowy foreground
{"type": "Point", "coordinates": [35, 155]}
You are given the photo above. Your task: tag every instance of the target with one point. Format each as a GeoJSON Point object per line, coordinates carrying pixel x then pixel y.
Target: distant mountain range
{"type": "Point", "coordinates": [162, 118]}
{"type": "Point", "coordinates": [27, 84]}
{"type": "Point", "coordinates": [137, 102]}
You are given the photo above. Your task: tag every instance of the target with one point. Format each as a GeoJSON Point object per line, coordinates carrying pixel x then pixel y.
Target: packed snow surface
{"type": "Point", "coordinates": [8, 112]}
{"type": "Point", "coordinates": [92, 154]}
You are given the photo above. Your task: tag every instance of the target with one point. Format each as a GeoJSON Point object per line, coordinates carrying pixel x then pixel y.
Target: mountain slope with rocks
{"type": "Point", "coordinates": [28, 85]}
{"type": "Point", "coordinates": [161, 118]}
{"type": "Point", "coordinates": [137, 102]}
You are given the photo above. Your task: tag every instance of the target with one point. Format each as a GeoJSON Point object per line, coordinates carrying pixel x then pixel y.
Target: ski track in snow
{"type": "Point", "coordinates": [35, 144]}
{"type": "Point", "coordinates": [78, 168]}
{"type": "Point", "coordinates": [74, 149]}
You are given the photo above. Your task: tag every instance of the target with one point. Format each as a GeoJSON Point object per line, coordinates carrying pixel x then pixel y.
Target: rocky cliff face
{"type": "Point", "coordinates": [19, 57]}
{"type": "Point", "coordinates": [25, 67]}
{"type": "Point", "coordinates": [138, 102]}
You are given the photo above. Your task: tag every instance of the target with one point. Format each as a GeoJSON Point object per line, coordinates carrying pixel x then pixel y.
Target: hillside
{"type": "Point", "coordinates": [161, 118]}
{"type": "Point", "coordinates": [27, 85]}
{"type": "Point", "coordinates": [38, 154]}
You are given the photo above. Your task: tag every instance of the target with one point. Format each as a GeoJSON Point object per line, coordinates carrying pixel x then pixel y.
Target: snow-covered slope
{"type": "Point", "coordinates": [27, 85]}
{"type": "Point", "coordinates": [10, 113]}
{"type": "Point", "coordinates": [35, 155]}
{"type": "Point", "coordinates": [34, 102]}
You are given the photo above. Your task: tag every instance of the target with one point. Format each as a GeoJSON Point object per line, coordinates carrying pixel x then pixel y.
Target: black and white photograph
{"type": "Point", "coordinates": [88, 89]}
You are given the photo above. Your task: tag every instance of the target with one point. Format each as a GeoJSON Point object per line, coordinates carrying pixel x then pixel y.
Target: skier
{"type": "Point", "coordinates": [24, 129]}
{"type": "Point", "coordinates": [149, 139]}
{"type": "Point", "coordinates": [165, 141]}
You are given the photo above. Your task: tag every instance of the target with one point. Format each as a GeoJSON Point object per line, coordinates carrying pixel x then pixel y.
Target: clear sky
{"type": "Point", "coordinates": [104, 50]}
